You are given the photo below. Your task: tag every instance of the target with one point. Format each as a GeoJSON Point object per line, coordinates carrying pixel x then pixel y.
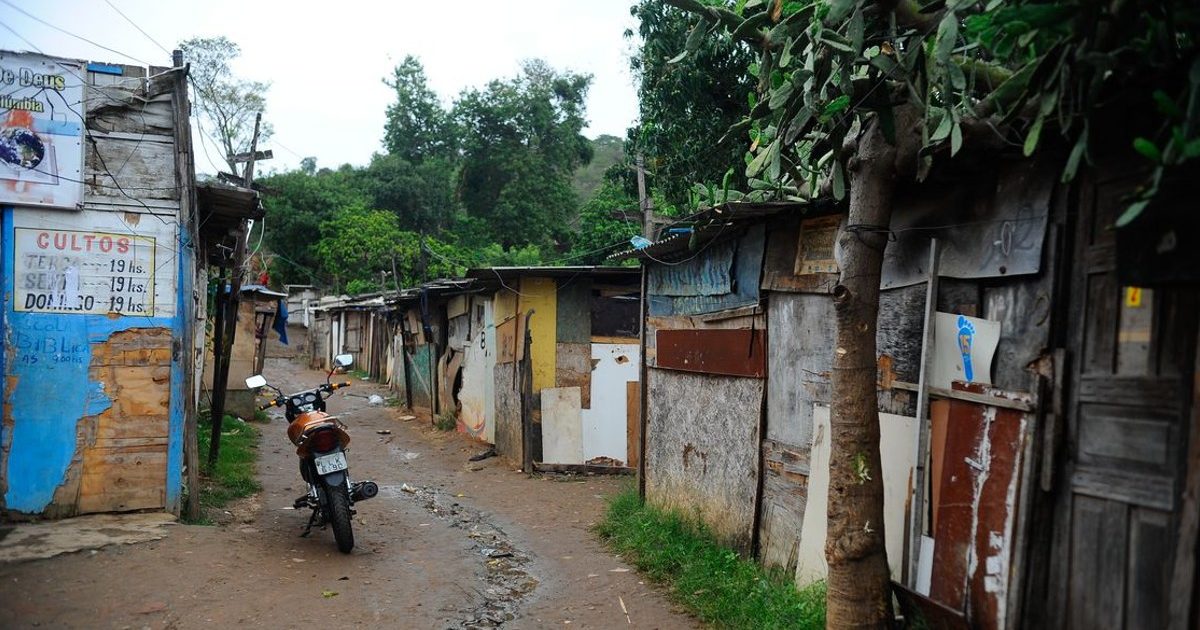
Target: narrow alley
{"type": "Point", "coordinates": [433, 549]}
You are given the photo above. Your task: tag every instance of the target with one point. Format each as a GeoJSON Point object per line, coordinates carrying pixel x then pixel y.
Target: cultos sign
{"type": "Point", "coordinates": [82, 242]}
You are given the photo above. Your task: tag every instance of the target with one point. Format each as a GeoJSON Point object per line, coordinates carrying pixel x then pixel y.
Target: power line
{"type": "Point", "coordinates": [31, 44]}
{"type": "Point", "coordinates": [69, 33]}
{"type": "Point", "coordinates": [134, 24]}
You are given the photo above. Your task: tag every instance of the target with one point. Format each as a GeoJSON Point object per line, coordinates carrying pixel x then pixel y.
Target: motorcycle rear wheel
{"type": "Point", "coordinates": [339, 516]}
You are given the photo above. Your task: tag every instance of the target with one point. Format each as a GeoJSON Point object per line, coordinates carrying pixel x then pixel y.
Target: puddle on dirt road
{"type": "Point", "coordinates": [506, 579]}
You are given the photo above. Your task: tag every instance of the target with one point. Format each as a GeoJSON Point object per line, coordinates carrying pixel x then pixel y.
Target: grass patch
{"type": "Point", "coordinates": [709, 579]}
{"type": "Point", "coordinates": [445, 421]}
{"type": "Point", "coordinates": [233, 476]}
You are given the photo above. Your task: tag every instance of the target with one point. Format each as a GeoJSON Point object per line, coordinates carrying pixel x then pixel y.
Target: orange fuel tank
{"type": "Point", "coordinates": [311, 421]}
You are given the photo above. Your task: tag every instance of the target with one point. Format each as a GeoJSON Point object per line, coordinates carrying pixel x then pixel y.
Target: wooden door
{"type": "Point", "coordinates": [1130, 365]}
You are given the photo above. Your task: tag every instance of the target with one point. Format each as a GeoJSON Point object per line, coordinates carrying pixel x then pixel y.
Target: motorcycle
{"type": "Point", "coordinates": [321, 443]}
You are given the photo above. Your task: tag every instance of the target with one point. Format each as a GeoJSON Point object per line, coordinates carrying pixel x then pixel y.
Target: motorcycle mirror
{"type": "Point", "coordinates": [256, 381]}
{"type": "Point", "coordinates": [343, 360]}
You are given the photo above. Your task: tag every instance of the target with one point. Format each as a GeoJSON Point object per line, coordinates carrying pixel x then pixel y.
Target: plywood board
{"type": "Point", "coordinates": [702, 449]}
{"type": "Point", "coordinates": [456, 306]}
{"type": "Point", "coordinates": [633, 406]}
{"type": "Point", "coordinates": [939, 421]}
{"type": "Point", "coordinates": [800, 360]}
{"type": "Point", "coordinates": [963, 349]}
{"type": "Point", "coordinates": [472, 416]}
{"type": "Point", "coordinates": [785, 494]}
{"type": "Point", "coordinates": [574, 369]}
{"type": "Point", "coordinates": [725, 352]}
{"type": "Point", "coordinates": [605, 425]}
{"type": "Point", "coordinates": [898, 459]}
{"type": "Point", "coordinates": [117, 480]}
{"type": "Point", "coordinates": [574, 322]}
{"type": "Point", "coordinates": [562, 439]}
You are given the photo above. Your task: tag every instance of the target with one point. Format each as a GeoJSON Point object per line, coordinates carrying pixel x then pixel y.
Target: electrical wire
{"type": "Point", "coordinates": [69, 33]}
{"type": "Point", "coordinates": [134, 24]}
{"type": "Point", "coordinates": [20, 37]}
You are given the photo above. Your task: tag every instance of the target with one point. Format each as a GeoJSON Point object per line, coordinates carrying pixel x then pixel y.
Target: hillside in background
{"type": "Point", "coordinates": [607, 150]}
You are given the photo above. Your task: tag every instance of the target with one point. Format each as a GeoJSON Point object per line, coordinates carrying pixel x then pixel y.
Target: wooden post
{"type": "Point", "coordinates": [643, 201]}
{"type": "Point", "coordinates": [216, 409]}
{"type": "Point", "coordinates": [644, 371]}
{"type": "Point", "coordinates": [919, 507]}
{"type": "Point", "coordinates": [527, 400]}
{"type": "Point", "coordinates": [1183, 577]}
{"type": "Point", "coordinates": [185, 168]}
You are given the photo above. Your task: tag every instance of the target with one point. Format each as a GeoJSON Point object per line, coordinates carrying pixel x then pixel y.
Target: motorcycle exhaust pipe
{"type": "Point", "coordinates": [364, 490]}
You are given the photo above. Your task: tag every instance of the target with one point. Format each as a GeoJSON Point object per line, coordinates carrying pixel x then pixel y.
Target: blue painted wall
{"type": "Point", "coordinates": [47, 358]}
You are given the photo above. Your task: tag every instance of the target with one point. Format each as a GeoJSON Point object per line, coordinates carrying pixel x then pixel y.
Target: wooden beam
{"type": "Point", "coordinates": [1184, 574]}
{"type": "Point", "coordinates": [583, 469]}
{"type": "Point", "coordinates": [1012, 400]}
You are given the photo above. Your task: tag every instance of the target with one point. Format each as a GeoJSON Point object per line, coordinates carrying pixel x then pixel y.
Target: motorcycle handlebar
{"type": "Point", "coordinates": [279, 401]}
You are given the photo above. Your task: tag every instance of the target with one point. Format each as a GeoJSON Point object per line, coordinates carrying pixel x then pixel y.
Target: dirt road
{"type": "Point", "coordinates": [447, 544]}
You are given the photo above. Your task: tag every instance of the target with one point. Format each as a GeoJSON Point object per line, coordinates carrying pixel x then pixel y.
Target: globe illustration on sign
{"type": "Point", "coordinates": [21, 147]}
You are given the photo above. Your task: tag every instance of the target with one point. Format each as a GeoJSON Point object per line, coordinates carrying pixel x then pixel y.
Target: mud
{"type": "Point", "coordinates": [471, 545]}
{"type": "Point", "coordinates": [506, 578]}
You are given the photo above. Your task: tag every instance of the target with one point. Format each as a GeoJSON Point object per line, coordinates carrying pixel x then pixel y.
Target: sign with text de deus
{"type": "Point", "coordinates": [41, 130]}
{"type": "Point", "coordinates": [62, 271]}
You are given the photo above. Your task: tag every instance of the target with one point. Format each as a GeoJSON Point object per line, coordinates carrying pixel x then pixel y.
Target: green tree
{"type": "Point", "coordinates": [606, 221]}
{"type": "Point", "coordinates": [692, 87]}
{"type": "Point", "coordinates": [226, 104]}
{"type": "Point", "coordinates": [521, 144]}
{"type": "Point", "coordinates": [854, 96]}
{"type": "Point", "coordinates": [417, 126]}
{"type": "Point", "coordinates": [421, 194]}
{"type": "Point", "coordinates": [297, 204]}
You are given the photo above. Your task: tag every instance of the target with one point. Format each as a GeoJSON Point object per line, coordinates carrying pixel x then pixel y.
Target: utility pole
{"type": "Point", "coordinates": [231, 304]}
{"type": "Point", "coordinates": [644, 201]}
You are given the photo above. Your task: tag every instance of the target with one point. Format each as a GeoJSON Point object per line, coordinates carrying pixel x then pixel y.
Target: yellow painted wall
{"type": "Point", "coordinates": [504, 306]}
{"type": "Point", "coordinates": [540, 294]}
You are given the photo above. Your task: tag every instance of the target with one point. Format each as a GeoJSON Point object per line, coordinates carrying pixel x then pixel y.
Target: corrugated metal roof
{"type": "Point", "coordinates": [486, 273]}
{"type": "Point", "coordinates": [708, 225]}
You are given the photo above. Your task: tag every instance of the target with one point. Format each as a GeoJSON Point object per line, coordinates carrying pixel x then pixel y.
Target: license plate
{"type": "Point", "coordinates": [330, 463]}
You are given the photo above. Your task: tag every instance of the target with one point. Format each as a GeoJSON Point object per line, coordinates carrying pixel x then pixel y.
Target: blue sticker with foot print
{"type": "Point", "coordinates": [966, 337]}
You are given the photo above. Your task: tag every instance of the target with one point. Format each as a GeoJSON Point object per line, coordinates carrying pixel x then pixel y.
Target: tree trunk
{"type": "Point", "coordinates": [859, 591]}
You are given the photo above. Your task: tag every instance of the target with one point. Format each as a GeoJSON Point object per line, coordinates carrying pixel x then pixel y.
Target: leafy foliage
{"type": "Point", "coordinates": [609, 217]}
{"type": "Point", "coordinates": [521, 144]}
{"type": "Point", "coordinates": [826, 68]}
{"type": "Point", "coordinates": [227, 105]}
{"type": "Point", "coordinates": [417, 126]}
{"type": "Point", "coordinates": [692, 87]}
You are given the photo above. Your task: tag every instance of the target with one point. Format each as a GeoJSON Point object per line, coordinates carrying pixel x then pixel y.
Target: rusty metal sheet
{"type": "Point", "coordinates": [727, 352]}
{"type": "Point", "coordinates": [979, 482]}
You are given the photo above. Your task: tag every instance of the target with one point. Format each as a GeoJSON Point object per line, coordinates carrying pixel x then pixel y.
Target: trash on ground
{"type": "Point", "coordinates": [375, 400]}
{"type": "Point", "coordinates": [491, 452]}
{"type": "Point", "coordinates": [384, 432]}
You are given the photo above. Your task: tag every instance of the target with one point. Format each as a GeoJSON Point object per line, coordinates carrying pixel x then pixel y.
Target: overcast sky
{"type": "Point", "coordinates": [326, 60]}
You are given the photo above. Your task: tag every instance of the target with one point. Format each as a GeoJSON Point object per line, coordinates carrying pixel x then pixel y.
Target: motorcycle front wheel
{"type": "Point", "coordinates": [339, 516]}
